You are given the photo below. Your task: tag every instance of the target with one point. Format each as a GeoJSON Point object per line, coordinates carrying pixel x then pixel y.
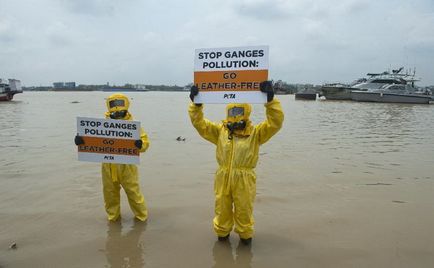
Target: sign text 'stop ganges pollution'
{"type": "Point", "coordinates": [108, 140]}
{"type": "Point", "coordinates": [225, 75]}
{"type": "Point", "coordinates": [231, 58]}
{"type": "Point", "coordinates": [108, 129]}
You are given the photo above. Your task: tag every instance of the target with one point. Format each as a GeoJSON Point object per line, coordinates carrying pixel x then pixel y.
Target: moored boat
{"type": "Point", "coordinates": [394, 87]}
{"type": "Point", "coordinates": [9, 88]}
{"type": "Point", "coordinates": [336, 91]}
{"type": "Point", "coordinates": [305, 95]}
{"type": "Point", "coordinates": [364, 96]}
{"type": "Point", "coordinates": [388, 87]}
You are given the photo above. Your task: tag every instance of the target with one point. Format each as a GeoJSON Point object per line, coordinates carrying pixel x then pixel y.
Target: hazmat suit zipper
{"type": "Point", "coordinates": [229, 179]}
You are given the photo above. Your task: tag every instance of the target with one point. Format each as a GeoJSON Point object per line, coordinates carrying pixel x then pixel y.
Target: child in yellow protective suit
{"type": "Point", "coordinates": [116, 175]}
{"type": "Point", "coordinates": [237, 142]}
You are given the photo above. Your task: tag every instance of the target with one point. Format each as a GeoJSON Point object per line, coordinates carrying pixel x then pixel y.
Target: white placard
{"type": "Point", "coordinates": [108, 140]}
{"type": "Point", "coordinates": [231, 75]}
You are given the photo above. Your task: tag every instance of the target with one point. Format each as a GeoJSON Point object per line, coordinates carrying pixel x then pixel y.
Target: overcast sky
{"type": "Point", "coordinates": [153, 42]}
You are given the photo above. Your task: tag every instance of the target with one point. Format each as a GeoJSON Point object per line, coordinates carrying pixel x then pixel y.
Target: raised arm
{"type": "Point", "coordinates": [272, 123]}
{"type": "Point", "coordinates": [207, 129]}
{"type": "Point", "coordinates": [145, 140]}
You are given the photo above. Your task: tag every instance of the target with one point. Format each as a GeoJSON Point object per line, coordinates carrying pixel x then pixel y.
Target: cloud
{"type": "Point", "coordinates": [263, 9]}
{"type": "Point", "coordinates": [58, 34]}
{"type": "Point", "coordinates": [95, 41]}
{"type": "Point", "coordinates": [90, 7]}
{"type": "Point", "coordinates": [7, 32]}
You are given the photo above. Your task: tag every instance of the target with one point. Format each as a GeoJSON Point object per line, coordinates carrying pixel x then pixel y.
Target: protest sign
{"type": "Point", "coordinates": [108, 141]}
{"type": "Point", "coordinates": [230, 75]}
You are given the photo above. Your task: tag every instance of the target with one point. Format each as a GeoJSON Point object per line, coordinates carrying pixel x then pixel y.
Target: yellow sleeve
{"type": "Point", "coordinates": [145, 140]}
{"type": "Point", "coordinates": [273, 122]}
{"type": "Point", "coordinates": [207, 129]}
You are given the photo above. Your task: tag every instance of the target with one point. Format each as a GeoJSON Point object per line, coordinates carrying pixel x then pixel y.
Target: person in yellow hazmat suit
{"type": "Point", "coordinates": [237, 141]}
{"type": "Point", "coordinates": [116, 175]}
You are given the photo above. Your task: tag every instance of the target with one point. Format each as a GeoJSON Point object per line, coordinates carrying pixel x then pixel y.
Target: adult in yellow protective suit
{"type": "Point", "coordinates": [237, 141]}
{"type": "Point", "coordinates": [116, 175]}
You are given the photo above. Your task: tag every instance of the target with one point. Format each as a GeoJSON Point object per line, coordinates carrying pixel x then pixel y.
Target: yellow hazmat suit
{"type": "Point", "coordinates": [116, 175]}
{"type": "Point", "coordinates": [237, 156]}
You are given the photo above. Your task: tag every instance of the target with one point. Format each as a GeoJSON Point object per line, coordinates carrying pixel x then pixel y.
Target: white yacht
{"type": "Point", "coordinates": [394, 87]}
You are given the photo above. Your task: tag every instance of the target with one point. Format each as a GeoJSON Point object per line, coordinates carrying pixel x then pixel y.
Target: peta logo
{"type": "Point", "coordinates": [229, 96]}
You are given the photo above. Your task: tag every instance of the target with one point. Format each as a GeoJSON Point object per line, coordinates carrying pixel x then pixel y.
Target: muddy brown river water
{"type": "Point", "coordinates": [343, 184]}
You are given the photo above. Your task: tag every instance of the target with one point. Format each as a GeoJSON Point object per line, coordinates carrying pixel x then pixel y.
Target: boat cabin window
{"type": "Point", "coordinates": [387, 81]}
{"type": "Point", "coordinates": [397, 87]}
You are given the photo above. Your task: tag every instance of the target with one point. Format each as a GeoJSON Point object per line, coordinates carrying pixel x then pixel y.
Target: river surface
{"type": "Point", "coordinates": [343, 184]}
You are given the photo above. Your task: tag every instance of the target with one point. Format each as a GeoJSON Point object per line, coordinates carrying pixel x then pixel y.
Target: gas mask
{"type": "Point", "coordinates": [237, 119]}
{"type": "Point", "coordinates": [117, 105]}
{"type": "Point", "coordinates": [236, 126]}
{"type": "Point", "coordinates": [118, 114]}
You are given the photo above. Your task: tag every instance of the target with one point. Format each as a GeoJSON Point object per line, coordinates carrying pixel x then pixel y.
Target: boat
{"type": "Point", "coordinates": [395, 87]}
{"type": "Point", "coordinates": [389, 97]}
{"type": "Point", "coordinates": [340, 91]}
{"type": "Point", "coordinates": [336, 91]}
{"type": "Point", "coordinates": [307, 94]}
{"type": "Point", "coordinates": [9, 88]}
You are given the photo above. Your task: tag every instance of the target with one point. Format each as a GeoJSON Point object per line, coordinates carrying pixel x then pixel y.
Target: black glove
{"type": "Point", "coordinates": [193, 92]}
{"type": "Point", "coordinates": [78, 140]}
{"type": "Point", "coordinates": [267, 87]}
{"type": "Point", "coordinates": [138, 144]}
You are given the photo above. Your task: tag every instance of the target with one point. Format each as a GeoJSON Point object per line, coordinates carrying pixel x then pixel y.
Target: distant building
{"type": "Point", "coordinates": [70, 84]}
{"type": "Point", "coordinates": [58, 84]}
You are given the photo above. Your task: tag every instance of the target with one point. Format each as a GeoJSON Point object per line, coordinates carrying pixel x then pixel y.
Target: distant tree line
{"type": "Point", "coordinates": [164, 88]}
{"type": "Point", "coordinates": [282, 87]}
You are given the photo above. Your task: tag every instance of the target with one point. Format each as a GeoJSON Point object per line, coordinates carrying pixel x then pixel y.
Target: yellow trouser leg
{"type": "Point", "coordinates": [111, 194]}
{"type": "Point", "coordinates": [244, 193]}
{"type": "Point", "coordinates": [223, 220]}
{"type": "Point", "coordinates": [130, 183]}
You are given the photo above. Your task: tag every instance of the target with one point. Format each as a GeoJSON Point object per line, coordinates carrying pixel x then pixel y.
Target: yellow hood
{"type": "Point", "coordinates": [244, 117]}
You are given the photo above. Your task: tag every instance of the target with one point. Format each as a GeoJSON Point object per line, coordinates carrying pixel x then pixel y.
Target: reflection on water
{"type": "Point", "coordinates": [125, 250]}
{"type": "Point", "coordinates": [223, 257]}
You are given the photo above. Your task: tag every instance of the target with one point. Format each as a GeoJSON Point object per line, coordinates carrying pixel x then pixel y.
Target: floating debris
{"type": "Point", "coordinates": [74, 102]}
{"type": "Point", "coordinates": [379, 183]}
{"type": "Point", "coordinates": [398, 201]}
{"type": "Point", "coordinates": [180, 138]}
{"type": "Point", "coordinates": [13, 246]}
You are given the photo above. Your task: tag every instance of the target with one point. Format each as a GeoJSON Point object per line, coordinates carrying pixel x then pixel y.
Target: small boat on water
{"type": "Point", "coordinates": [9, 88]}
{"type": "Point", "coordinates": [307, 94]}
{"type": "Point", "coordinates": [336, 91]}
